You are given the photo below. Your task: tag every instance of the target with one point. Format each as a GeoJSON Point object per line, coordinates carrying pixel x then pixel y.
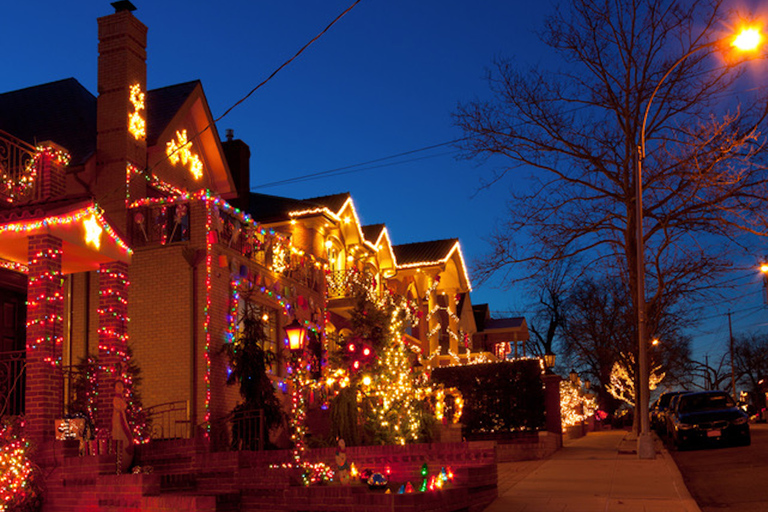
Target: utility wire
{"type": "Point", "coordinates": [147, 172]}
{"type": "Point", "coordinates": [347, 169]}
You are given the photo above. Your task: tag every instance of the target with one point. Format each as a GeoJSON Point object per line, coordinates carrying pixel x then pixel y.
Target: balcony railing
{"type": "Point", "coordinates": [12, 382]}
{"type": "Point", "coordinates": [342, 284]}
{"type": "Point", "coordinates": [268, 250]}
{"type": "Point", "coordinates": [159, 224]}
{"type": "Point", "coordinates": [18, 182]}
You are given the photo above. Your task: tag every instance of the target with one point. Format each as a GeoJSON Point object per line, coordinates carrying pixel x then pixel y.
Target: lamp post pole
{"type": "Point", "coordinates": [748, 39]}
{"type": "Point", "coordinates": [645, 448]}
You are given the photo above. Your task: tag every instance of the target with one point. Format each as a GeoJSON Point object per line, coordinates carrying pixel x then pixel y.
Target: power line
{"type": "Point", "coordinates": [347, 169]}
{"type": "Point", "coordinates": [147, 172]}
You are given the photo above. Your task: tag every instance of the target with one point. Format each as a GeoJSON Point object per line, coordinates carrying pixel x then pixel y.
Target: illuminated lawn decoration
{"type": "Point", "coordinates": [575, 405]}
{"type": "Point", "coordinates": [180, 150]}
{"type": "Point", "coordinates": [136, 124]}
{"type": "Point", "coordinates": [19, 489]}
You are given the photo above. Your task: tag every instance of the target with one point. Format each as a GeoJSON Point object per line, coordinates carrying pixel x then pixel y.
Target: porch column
{"type": "Point", "coordinates": [113, 338]}
{"type": "Point", "coordinates": [45, 327]}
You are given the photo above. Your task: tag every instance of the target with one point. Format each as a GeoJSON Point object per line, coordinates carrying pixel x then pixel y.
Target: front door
{"type": "Point", "coordinates": [13, 314]}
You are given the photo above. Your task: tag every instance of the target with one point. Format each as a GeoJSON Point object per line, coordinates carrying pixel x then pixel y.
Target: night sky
{"type": "Point", "coordinates": [382, 81]}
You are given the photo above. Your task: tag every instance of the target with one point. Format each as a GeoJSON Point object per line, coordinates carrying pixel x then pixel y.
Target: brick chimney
{"type": "Point", "coordinates": [121, 66]}
{"type": "Point", "coordinates": [238, 156]}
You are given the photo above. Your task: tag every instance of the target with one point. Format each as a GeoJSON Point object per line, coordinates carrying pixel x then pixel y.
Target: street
{"type": "Point", "coordinates": [728, 478]}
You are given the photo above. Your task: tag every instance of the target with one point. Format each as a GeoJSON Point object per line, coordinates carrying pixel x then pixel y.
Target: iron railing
{"type": "Point", "coordinates": [12, 382]}
{"type": "Point", "coordinates": [170, 420]}
{"type": "Point", "coordinates": [247, 427]}
{"type": "Point", "coordinates": [18, 182]}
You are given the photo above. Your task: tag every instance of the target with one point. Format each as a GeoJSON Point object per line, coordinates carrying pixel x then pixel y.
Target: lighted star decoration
{"type": "Point", "coordinates": [136, 124]}
{"type": "Point", "coordinates": [92, 231]}
{"type": "Point", "coordinates": [180, 150]}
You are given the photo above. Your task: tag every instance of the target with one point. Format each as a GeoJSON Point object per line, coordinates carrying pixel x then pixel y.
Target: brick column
{"type": "Point", "coordinates": [53, 162]}
{"type": "Point", "coordinates": [113, 337]}
{"type": "Point", "coordinates": [44, 336]}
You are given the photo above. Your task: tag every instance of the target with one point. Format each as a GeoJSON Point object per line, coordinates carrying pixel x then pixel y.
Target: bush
{"type": "Point", "coordinates": [498, 397]}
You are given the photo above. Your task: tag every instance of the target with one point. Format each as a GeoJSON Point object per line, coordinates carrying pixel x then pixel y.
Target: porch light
{"type": "Point", "coordinates": [296, 335]}
{"type": "Point", "coordinates": [549, 360]}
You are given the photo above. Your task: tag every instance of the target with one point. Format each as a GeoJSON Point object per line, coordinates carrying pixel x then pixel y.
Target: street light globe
{"type": "Point", "coordinates": [764, 268]}
{"type": "Point", "coordinates": [748, 39]}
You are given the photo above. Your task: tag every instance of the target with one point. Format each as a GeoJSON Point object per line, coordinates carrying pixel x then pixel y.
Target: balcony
{"type": "Point", "coordinates": [159, 224]}
{"type": "Point", "coordinates": [344, 285]}
{"type": "Point", "coordinates": [18, 173]}
{"type": "Point", "coordinates": [12, 382]}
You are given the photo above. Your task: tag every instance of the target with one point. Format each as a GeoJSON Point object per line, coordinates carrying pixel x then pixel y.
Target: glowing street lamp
{"type": "Point", "coordinates": [748, 39]}
{"type": "Point", "coordinates": [297, 333]}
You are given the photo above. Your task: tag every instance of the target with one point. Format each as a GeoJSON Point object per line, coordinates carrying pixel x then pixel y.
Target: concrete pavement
{"type": "Point", "coordinates": [599, 472]}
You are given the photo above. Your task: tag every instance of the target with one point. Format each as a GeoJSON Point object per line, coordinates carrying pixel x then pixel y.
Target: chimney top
{"type": "Point", "coordinates": [230, 134]}
{"type": "Point", "coordinates": [123, 5]}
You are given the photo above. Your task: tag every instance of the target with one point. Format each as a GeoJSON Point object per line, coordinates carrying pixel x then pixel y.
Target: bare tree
{"type": "Point", "coordinates": [750, 356]}
{"type": "Point", "coordinates": [715, 374]}
{"type": "Point", "coordinates": [548, 313]}
{"type": "Point", "coordinates": [599, 332]}
{"type": "Point", "coordinates": [577, 128]}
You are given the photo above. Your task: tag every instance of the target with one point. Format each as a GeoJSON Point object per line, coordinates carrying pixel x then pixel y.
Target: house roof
{"type": "Point", "coordinates": [333, 202]}
{"type": "Point", "coordinates": [372, 232]}
{"type": "Point", "coordinates": [266, 208]}
{"type": "Point", "coordinates": [63, 112]}
{"type": "Point", "coordinates": [162, 106]}
{"type": "Point", "coordinates": [434, 252]}
{"type": "Point", "coordinates": [484, 321]}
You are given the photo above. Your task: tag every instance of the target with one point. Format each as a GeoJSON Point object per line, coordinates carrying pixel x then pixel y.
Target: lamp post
{"type": "Point", "coordinates": [747, 39]}
{"type": "Point", "coordinates": [297, 333]}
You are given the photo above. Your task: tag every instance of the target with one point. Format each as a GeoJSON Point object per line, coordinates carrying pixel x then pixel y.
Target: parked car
{"type": "Point", "coordinates": [707, 416]}
{"type": "Point", "coordinates": [659, 409]}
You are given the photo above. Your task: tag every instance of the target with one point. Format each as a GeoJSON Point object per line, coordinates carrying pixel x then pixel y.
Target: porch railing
{"type": "Point", "coordinates": [12, 382]}
{"type": "Point", "coordinates": [18, 182]}
{"type": "Point", "coordinates": [247, 429]}
{"type": "Point", "coordinates": [170, 420]}
{"type": "Point", "coordinates": [342, 284]}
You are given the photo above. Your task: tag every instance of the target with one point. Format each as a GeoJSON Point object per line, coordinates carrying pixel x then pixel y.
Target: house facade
{"type": "Point", "coordinates": [128, 234]}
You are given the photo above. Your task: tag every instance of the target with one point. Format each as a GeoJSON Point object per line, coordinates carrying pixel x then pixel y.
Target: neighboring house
{"type": "Point", "coordinates": [504, 337]}
{"type": "Point", "coordinates": [126, 221]}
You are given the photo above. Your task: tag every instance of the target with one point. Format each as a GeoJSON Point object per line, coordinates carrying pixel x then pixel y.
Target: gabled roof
{"type": "Point", "coordinates": [163, 104]}
{"type": "Point", "coordinates": [265, 208]}
{"type": "Point", "coordinates": [372, 232]}
{"type": "Point", "coordinates": [424, 253]}
{"type": "Point", "coordinates": [334, 202]}
{"type": "Point", "coordinates": [63, 112]}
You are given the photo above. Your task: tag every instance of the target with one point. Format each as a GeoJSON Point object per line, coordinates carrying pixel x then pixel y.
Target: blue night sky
{"type": "Point", "coordinates": [382, 81]}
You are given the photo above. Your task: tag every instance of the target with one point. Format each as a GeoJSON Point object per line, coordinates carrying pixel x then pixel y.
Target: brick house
{"type": "Point", "coordinates": [126, 221]}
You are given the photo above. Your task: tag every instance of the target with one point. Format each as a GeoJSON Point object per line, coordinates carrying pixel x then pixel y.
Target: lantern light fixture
{"type": "Point", "coordinates": [296, 335]}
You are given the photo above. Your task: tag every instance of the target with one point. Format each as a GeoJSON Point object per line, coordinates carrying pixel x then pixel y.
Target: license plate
{"type": "Point", "coordinates": [714, 433]}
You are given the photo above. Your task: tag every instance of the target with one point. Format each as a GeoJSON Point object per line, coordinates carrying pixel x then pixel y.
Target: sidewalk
{"type": "Point", "coordinates": [596, 473]}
